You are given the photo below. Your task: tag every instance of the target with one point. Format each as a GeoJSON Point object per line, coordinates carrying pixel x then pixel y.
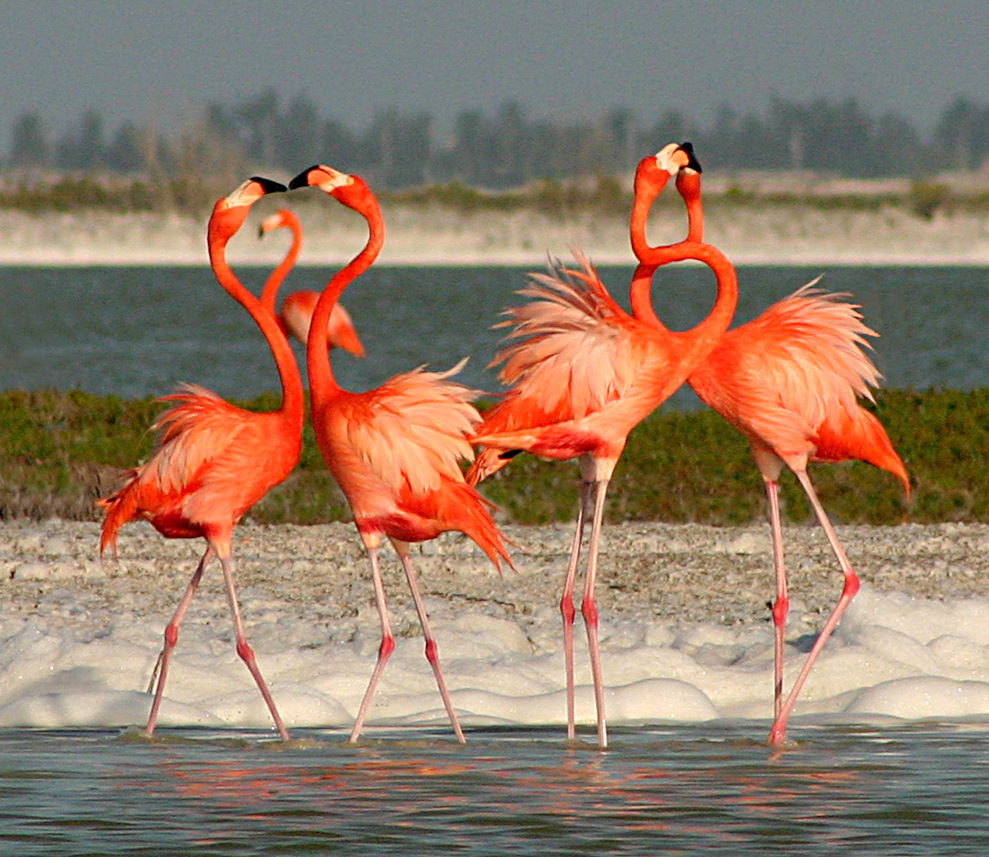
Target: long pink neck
{"type": "Point", "coordinates": [269, 293]}
{"type": "Point", "coordinates": [692, 248]}
{"type": "Point", "coordinates": [718, 320]}
{"type": "Point", "coordinates": [293, 395]}
{"type": "Point", "coordinates": [322, 384]}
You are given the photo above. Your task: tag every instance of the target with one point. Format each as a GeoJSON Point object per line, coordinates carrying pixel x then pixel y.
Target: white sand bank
{"type": "Point", "coordinates": [685, 634]}
{"type": "Point", "coordinates": [785, 235]}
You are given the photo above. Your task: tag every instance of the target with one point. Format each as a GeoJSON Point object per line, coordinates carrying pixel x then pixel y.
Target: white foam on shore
{"type": "Point", "coordinates": [893, 656]}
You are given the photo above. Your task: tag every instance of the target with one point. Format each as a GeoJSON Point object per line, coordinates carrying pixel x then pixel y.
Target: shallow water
{"type": "Point", "coordinates": [712, 789]}
{"type": "Point", "coordinates": [141, 331]}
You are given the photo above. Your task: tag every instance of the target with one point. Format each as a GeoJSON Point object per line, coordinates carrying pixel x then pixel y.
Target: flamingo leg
{"type": "Point", "coordinates": [385, 649]}
{"type": "Point", "coordinates": [432, 652]}
{"type": "Point", "coordinates": [781, 607]}
{"type": "Point", "coordinates": [777, 733]}
{"type": "Point", "coordinates": [589, 609]}
{"type": "Point", "coordinates": [567, 607]}
{"type": "Point", "coordinates": [171, 638]}
{"type": "Point", "coordinates": [244, 650]}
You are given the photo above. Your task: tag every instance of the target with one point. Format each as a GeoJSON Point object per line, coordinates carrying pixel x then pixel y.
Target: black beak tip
{"type": "Point", "coordinates": [269, 186]}
{"type": "Point", "coordinates": [302, 179]}
{"type": "Point", "coordinates": [693, 163]}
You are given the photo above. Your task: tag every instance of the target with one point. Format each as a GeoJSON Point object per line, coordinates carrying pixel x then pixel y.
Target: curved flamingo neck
{"type": "Point", "coordinates": [689, 187]}
{"type": "Point", "coordinates": [649, 184]}
{"type": "Point", "coordinates": [322, 383]}
{"type": "Point", "coordinates": [269, 293]}
{"type": "Point", "coordinates": [293, 395]}
{"type": "Point", "coordinates": [725, 303]}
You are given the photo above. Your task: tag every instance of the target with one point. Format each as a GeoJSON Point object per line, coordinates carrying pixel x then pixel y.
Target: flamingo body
{"type": "Point", "coordinates": [583, 373]}
{"type": "Point", "coordinates": [790, 380]}
{"type": "Point", "coordinates": [395, 451]}
{"type": "Point", "coordinates": [214, 460]}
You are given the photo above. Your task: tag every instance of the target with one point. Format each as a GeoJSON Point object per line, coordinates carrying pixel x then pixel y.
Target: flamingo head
{"type": "Point", "coordinates": [280, 218]}
{"type": "Point", "coordinates": [689, 176]}
{"type": "Point", "coordinates": [654, 171]}
{"type": "Point", "coordinates": [346, 189]}
{"type": "Point", "coordinates": [230, 212]}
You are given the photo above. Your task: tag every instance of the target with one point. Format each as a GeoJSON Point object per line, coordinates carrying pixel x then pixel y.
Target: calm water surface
{"type": "Point", "coordinates": [677, 790]}
{"type": "Point", "coordinates": [140, 331]}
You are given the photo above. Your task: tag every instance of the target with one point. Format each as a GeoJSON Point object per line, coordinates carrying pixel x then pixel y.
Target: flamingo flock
{"type": "Point", "coordinates": [580, 373]}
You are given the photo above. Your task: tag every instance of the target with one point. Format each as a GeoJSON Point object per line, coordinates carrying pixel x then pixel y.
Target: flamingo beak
{"type": "Point", "coordinates": [692, 162]}
{"type": "Point", "coordinates": [302, 179]}
{"type": "Point", "coordinates": [269, 186]}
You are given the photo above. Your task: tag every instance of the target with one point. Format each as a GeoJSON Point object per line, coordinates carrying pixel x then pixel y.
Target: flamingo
{"type": "Point", "coordinates": [214, 460]}
{"type": "Point", "coordinates": [583, 374]}
{"type": "Point", "coordinates": [790, 381]}
{"type": "Point", "coordinates": [395, 451]}
{"type": "Point", "coordinates": [297, 308]}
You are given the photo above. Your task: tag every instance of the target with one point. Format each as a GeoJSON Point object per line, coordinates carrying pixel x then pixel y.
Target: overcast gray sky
{"type": "Point", "coordinates": [165, 60]}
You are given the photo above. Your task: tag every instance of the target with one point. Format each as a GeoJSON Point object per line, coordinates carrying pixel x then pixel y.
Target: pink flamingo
{"type": "Point", "coordinates": [789, 380]}
{"type": "Point", "coordinates": [214, 460]}
{"type": "Point", "coordinates": [297, 308]}
{"type": "Point", "coordinates": [583, 374]}
{"type": "Point", "coordinates": [394, 450]}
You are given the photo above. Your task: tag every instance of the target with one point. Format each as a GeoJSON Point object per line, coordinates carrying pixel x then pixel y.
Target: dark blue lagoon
{"type": "Point", "coordinates": [141, 331]}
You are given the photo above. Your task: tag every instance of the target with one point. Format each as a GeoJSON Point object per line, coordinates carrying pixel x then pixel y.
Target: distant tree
{"type": "Point", "coordinates": [298, 135]}
{"type": "Point", "coordinates": [622, 141]}
{"type": "Point", "coordinates": [471, 149]}
{"type": "Point", "coordinates": [671, 127]}
{"type": "Point", "coordinates": [398, 147]}
{"type": "Point", "coordinates": [510, 141]}
{"type": "Point", "coordinates": [340, 147]}
{"type": "Point", "coordinates": [258, 119]}
{"type": "Point", "coordinates": [28, 147]}
{"type": "Point", "coordinates": [82, 147]}
{"type": "Point", "coordinates": [896, 148]}
{"type": "Point", "coordinates": [126, 151]}
{"type": "Point", "coordinates": [962, 134]}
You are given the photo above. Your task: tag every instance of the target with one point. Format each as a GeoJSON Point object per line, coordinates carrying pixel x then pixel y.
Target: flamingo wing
{"type": "Point", "coordinates": [572, 348]}
{"type": "Point", "coordinates": [804, 355]}
{"type": "Point", "coordinates": [215, 459]}
{"type": "Point", "coordinates": [411, 432]}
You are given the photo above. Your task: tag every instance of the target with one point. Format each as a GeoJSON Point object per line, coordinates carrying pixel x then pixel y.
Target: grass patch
{"type": "Point", "coordinates": [60, 451]}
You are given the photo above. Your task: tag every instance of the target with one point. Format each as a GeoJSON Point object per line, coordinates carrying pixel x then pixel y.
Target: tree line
{"type": "Point", "coordinates": [507, 148]}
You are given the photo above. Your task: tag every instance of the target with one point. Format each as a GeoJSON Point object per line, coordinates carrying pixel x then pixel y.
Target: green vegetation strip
{"type": "Point", "coordinates": [60, 451]}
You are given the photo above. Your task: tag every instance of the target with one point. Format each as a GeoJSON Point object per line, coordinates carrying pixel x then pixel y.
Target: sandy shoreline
{"type": "Point", "coordinates": [785, 235]}
{"type": "Point", "coordinates": [685, 628]}
{"type": "Point", "coordinates": [673, 573]}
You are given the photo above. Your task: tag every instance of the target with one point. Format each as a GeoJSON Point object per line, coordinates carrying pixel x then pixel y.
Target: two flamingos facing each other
{"type": "Point", "coordinates": [214, 461]}
{"type": "Point", "coordinates": [395, 451]}
{"type": "Point", "coordinates": [582, 373]}
{"type": "Point", "coordinates": [295, 315]}
{"type": "Point", "coordinates": [789, 380]}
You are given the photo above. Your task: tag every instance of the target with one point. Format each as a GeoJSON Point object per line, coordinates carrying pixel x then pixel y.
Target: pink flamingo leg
{"type": "Point", "coordinates": [567, 608]}
{"type": "Point", "coordinates": [432, 652]}
{"type": "Point", "coordinates": [590, 611]}
{"type": "Point", "coordinates": [171, 638]}
{"type": "Point", "coordinates": [778, 732]}
{"type": "Point", "coordinates": [244, 650]}
{"type": "Point", "coordinates": [781, 607]}
{"type": "Point", "coordinates": [384, 650]}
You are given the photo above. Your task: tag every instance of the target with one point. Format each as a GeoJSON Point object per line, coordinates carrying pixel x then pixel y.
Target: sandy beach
{"type": "Point", "coordinates": [683, 573]}
{"type": "Point", "coordinates": [674, 572]}
{"type": "Point", "coordinates": [758, 234]}
{"type": "Point", "coordinates": [686, 634]}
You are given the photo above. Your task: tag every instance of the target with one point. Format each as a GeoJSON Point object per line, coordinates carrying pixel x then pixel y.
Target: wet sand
{"type": "Point", "coordinates": [672, 573]}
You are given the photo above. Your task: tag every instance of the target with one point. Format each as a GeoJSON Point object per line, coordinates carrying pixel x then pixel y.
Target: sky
{"type": "Point", "coordinates": [162, 62]}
